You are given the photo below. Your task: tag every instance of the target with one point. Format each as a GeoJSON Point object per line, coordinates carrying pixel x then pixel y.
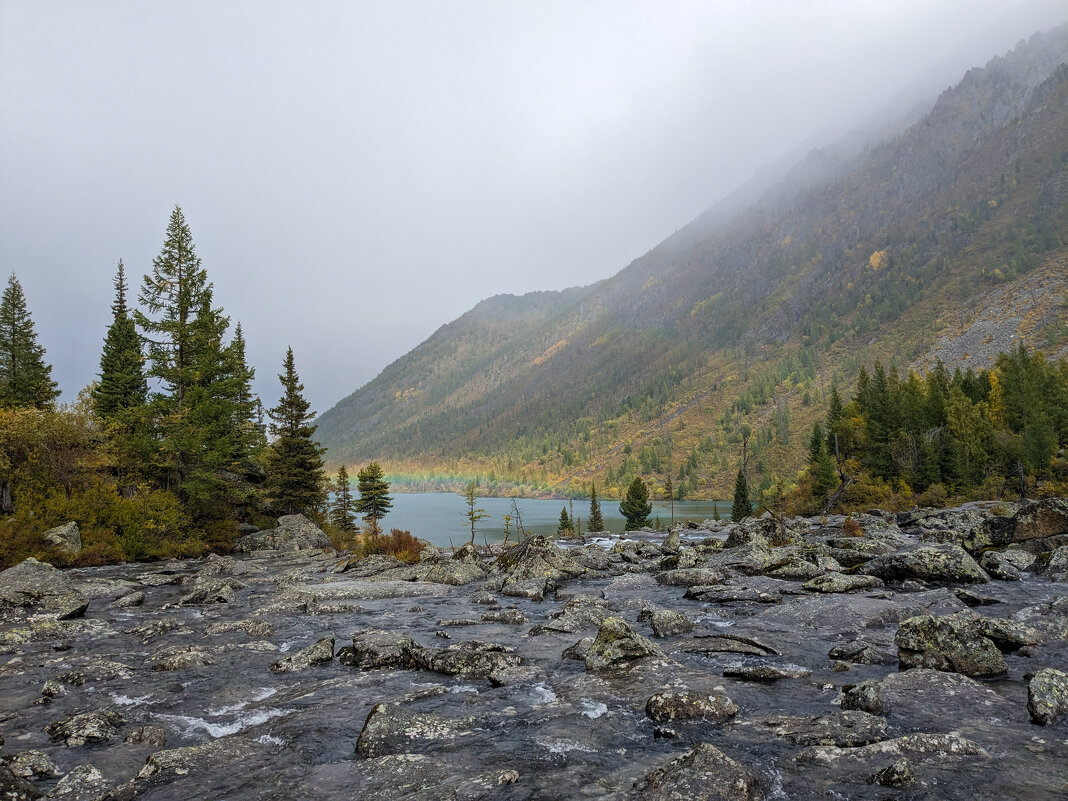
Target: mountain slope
{"type": "Point", "coordinates": [744, 314]}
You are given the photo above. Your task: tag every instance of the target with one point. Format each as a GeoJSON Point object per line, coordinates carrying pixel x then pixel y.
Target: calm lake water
{"type": "Point", "coordinates": [438, 517]}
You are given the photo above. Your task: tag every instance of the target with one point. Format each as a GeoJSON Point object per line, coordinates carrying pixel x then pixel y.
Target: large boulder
{"type": "Point", "coordinates": [293, 533]}
{"type": "Point", "coordinates": [89, 727]}
{"type": "Point", "coordinates": [41, 588]}
{"type": "Point", "coordinates": [930, 562]}
{"type": "Point", "coordinates": [535, 561]}
{"type": "Point", "coordinates": [841, 582]}
{"type": "Point", "coordinates": [377, 648]}
{"type": "Point", "coordinates": [704, 773]}
{"type": "Point", "coordinates": [471, 659]}
{"type": "Point", "coordinates": [66, 539]}
{"type": "Point", "coordinates": [1037, 526]}
{"type": "Point", "coordinates": [954, 643]}
{"type": "Point", "coordinates": [687, 705]}
{"type": "Point", "coordinates": [618, 644]}
{"type": "Point", "coordinates": [1047, 696]}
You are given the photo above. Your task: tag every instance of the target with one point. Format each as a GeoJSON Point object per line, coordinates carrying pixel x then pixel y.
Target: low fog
{"type": "Point", "coordinates": [357, 174]}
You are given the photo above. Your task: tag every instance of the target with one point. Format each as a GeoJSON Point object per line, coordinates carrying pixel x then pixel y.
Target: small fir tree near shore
{"type": "Point", "coordinates": [742, 507]}
{"type": "Point", "coordinates": [374, 502]}
{"type": "Point", "coordinates": [343, 509]}
{"type": "Point", "coordinates": [636, 507]}
{"type": "Point", "coordinates": [595, 521]}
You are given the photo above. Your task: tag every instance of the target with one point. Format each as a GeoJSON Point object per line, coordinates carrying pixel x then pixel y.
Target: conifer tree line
{"type": "Point", "coordinates": [973, 433]}
{"type": "Point", "coordinates": [168, 450]}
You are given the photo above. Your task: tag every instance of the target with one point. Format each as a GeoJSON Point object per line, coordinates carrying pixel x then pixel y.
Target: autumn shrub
{"type": "Point", "coordinates": [852, 528]}
{"type": "Point", "coordinates": [934, 496]}
{"type": "Point", "coordinates": [398, 543]}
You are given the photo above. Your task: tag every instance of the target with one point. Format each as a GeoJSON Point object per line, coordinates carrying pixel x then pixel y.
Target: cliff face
{"type": "Point", "coordinates": [852, 256]}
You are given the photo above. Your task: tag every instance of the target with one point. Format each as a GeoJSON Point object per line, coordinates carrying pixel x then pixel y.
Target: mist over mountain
{"type": "Point", "coordinates": [877, 247]}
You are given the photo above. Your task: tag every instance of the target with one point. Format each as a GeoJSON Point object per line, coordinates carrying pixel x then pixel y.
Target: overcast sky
{"type": "Point", "coordinates": [356, 174]}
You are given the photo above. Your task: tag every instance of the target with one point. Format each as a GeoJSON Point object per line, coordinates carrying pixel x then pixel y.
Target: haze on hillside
{"type": "Point", "coordinates": [357, 175]}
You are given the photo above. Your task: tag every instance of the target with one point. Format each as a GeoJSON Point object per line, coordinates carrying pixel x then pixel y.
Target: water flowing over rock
{"type": "Point", "coordinates": [844, 729]}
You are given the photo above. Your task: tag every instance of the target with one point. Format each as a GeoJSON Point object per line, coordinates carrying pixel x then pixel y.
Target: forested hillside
{"type": "Point", "coordinates": [739, 322]}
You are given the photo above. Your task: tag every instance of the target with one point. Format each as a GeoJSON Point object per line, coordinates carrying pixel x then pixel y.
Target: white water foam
{"type": "Point", "coordinates": [191, 725]}
{"type": "Point", "coordinates": [126, 700]}
{"type": "Point", "coordinates": [593, 709]}
{"type": "Point", "coordinates": [269, 739]}
{"type": "Point", "coordinates": [462, 688]}
{"type": "Point", "coordinates": [564, 746]}
{"type": "Point", "coordinates": [542, 694]}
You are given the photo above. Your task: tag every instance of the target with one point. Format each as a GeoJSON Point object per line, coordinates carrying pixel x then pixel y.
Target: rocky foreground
{"type": "Point", "coordinates": [924, 658]}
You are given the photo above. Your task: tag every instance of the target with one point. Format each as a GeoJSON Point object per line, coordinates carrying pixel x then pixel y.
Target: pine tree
{"type": "Point", "coordinates": [565, 522]}
{"type": "Point", "coordinates": [122, 384]}
{"type": "Point", "coordinates": [596, 521]}
{"type": "Point", "coordinates": [835, 415]}
{"type": "Point", "coordinates": [25, 378]}
{"type": "Point", "coordinates": [816, 443]}
{"type": "Point", "coordinates": [742, 507]}
{"type": "Point", "coordinates": [635, 506]}
{"type": "Point", "coordinates": [251, 436]}
{"type": "Point", "coordinates": [294, 461]}
{"type": "Point", "coordinates": [374, 502]}
{"type": "Point", "coordinates": [343, 509]}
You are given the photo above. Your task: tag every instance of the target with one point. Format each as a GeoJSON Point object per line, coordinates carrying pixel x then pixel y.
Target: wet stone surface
{"type": "Point", "coordinates": [724, 676]}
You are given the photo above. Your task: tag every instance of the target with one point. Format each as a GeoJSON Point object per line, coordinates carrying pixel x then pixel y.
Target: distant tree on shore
{"type": "Point", "coordinates": [343, 509]}
{"type": "Point", "coordinates": [636, 507]}
{"type": "Point", "coordinates": [374, 502]}
{"type": "Point", "coordinates": [25, 378]}
{"type": "Point", "coordinates": [473, 513]}
{"type": "Point", "coordinates": [295, 476]}
{"type": "Point", "coordinates": [743, 507]}
{"type": "Point", "coordinates": [595, 521]}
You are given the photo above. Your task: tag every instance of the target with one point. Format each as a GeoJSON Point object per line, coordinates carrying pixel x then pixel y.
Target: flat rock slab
{"type": "Point", "coordinates": [843, 729]}
{"type": "Point", "coordinates": [766, 672]}
{"type": "Point", "coordinates": [942, 745]}
{"type": "Point", "coordinates": [391, 729]}
{"type": "Point", "coordinates": [370, 590]}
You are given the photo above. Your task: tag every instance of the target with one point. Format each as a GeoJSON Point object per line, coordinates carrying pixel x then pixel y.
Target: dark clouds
{"type": "Point", "coordinates": [357, 174]}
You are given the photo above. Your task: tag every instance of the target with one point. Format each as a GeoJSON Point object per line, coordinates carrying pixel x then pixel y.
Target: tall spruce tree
{"type": "Point", "coordinates": [122, 385]}
{"type": "Point", "coordinates": [635, 506]}
{"type": "Point", "coordinates": [374, 502]}
{"type": "Point", "coordinates": [595, 521]}
{"type": "Point", "coordinates": [743, 507]}
{"type": "Point", "coordinates": [294, 461]}
{"type": "Point", "coordinates": [174, 293]}
{"type": "Point", "coordinates": [25, 378]}
{"type": "Point", "coordinates": [343, 509]}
